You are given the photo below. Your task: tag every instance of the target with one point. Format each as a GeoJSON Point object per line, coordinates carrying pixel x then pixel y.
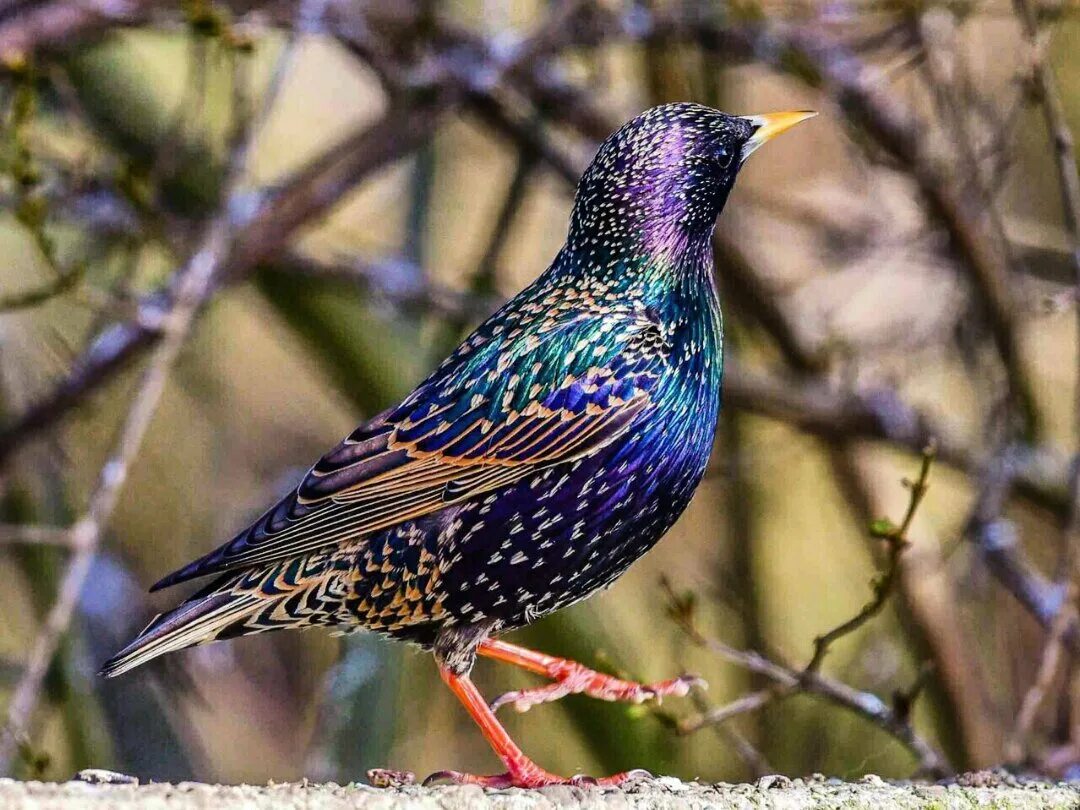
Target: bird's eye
{"type": "Point", "coordinates": [724, 157]}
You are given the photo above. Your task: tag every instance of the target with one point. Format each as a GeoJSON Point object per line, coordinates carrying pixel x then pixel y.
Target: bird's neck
{"type": "Point", "coordinates": [661, 264]}
{"type": "Point", "coordinates": [669, 273]}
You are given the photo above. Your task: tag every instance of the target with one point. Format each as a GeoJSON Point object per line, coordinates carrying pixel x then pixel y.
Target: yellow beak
{"type": "Point", "coordinates": [771, 125]}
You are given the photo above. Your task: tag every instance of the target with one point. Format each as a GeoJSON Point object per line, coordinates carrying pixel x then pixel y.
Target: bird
{"type": "Point", "coordinates": [554, 447]}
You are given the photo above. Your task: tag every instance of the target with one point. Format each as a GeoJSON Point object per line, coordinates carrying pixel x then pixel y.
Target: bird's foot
{"type": "Point", "coordinates": [572, 678]}
{"type": "Point", "coordinates": [532, 776]}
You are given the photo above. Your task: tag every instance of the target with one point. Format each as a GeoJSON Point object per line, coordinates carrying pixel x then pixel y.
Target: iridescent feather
{"type": "Point", "coordinates": [554, 447]}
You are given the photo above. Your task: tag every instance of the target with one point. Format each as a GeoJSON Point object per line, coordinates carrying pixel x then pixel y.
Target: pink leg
{"type": "Point", "coordinates": [521, 771]}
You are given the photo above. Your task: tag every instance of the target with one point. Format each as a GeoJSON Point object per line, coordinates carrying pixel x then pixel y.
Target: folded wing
{"type": "Point", "coordinates": [501, 407]}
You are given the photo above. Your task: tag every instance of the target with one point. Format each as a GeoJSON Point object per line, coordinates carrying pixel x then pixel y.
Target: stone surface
{"type": "Point", "coordinates": [770, 792]}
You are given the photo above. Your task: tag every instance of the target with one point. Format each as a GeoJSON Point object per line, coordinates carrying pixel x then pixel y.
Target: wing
{"type": "Point", "coordinates": [509, 401]}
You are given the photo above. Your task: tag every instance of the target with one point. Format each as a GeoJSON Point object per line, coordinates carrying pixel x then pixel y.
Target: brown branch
{"type": "Point", "coordinates": [34, 535]}
{"type": "Point", "coordinates": [1049, 665]}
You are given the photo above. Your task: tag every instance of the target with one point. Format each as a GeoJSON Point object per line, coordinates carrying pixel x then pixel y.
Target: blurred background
{"type": "Point", "coordinates": [360, 183]}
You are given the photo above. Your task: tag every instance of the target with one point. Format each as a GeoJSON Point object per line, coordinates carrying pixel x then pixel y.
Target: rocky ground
{"type": "Point", "coordinates": [95, 792]}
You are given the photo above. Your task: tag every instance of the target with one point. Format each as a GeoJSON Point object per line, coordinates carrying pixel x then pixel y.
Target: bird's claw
{"type": "Point", "coordinates": [600, 686]}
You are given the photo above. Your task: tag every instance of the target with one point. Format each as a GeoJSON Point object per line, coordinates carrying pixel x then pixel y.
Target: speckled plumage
{"type": "Point", "coordinates": [553, 448]}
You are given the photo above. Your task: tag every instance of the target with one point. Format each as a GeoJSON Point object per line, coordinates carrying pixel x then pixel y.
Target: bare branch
{"type": "Point", "coordinates": [720, 714]}
{"type": "Point", "coordinates": [1049, 665]}
{"type": "Point", "coordinates": [896, 539]}
{"type": "Point", "coordinates": [789, 679]}
{"type": "Point", "coordinates": [31, 534]}
{"type": "Point", "coordinates": [995, 538]}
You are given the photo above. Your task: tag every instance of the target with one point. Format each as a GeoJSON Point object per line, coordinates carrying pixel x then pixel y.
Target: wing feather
{"type": "Point", "coordinates": [495, 412]}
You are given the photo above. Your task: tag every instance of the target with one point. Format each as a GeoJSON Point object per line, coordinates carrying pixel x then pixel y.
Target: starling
{"type": "Point", "coordinates": [553, 448]}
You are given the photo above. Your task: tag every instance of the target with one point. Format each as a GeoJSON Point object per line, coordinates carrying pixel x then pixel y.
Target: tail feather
{"type": "Point", "coordinates": [197, 621]}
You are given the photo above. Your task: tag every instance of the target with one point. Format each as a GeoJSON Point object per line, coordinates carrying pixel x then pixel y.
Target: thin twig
{"type": "Point", "coordinates": [896, 538]}
{"type": "Point", "coordinates": [716, 715]}
{"type": "Point", "coordinates": [790, 680]}
{"type": "Point", "coordinates": [1049, 666]}
{"type": "Point", "coordinates": [865, 704]}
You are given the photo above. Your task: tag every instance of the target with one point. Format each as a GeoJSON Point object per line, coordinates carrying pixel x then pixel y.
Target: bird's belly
{"type": "Point", "coordinates": [558, 536]}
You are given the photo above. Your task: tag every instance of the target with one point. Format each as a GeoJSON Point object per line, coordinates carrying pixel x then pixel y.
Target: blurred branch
{"type": "Point", "coordinates": [392, 280]}
{"type": "Point", "coordinates": [62, 23]}
{"type": "Point", "coordinates": [1061, 137]}
{"type": "Point", "coordinates": [29, 204]}
{"type": "Point", "coordinates": [484, 281]}
{"type": "Point", "coordinates": [1053, 108]}
{"type": "Point", "coordinates": [32, 298]}
{"type": "Point", "coordinates": [1049, 666]}
{"type": "Point", "coordinates": [34, 535]}
{"type": "Point", "coordinates": [194, 284]}
{"type": "Point", "coordinates": [280, 212]}
{"type": "Point", "coordinates": [997, 543]}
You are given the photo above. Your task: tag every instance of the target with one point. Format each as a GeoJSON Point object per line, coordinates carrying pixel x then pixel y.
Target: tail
{"type": "Point", "coordinates": [294, 592]}
{"type": "Point", "coordinates": [200, 620]}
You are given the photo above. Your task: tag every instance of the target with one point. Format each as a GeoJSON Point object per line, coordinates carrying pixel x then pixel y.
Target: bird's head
{"type": "Point", "coordinates": [664, 176]}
